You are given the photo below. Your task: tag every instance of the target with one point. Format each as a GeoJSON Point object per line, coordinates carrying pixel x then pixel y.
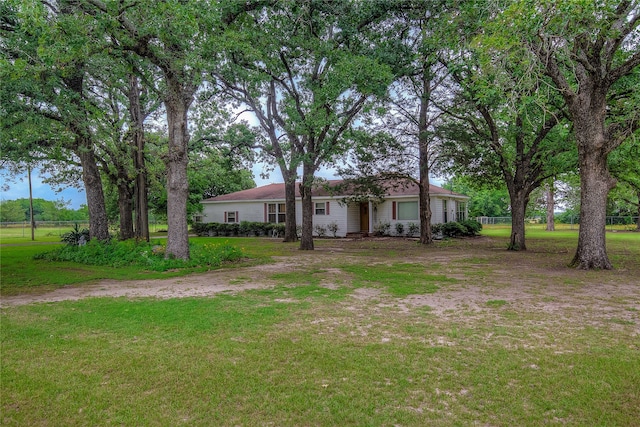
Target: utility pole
{"type": "Point", "coordinates": [33, 224]}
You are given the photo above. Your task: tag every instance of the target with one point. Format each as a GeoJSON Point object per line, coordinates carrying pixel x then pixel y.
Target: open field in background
{"type": "Point", "coordinates": [50, 231]}
{"type": "Point", "coordinates": [632, 226]}
{"type": "Point", "coordinates": [366, 332]}
{"type": "Point", "coordinates": [612, 223]}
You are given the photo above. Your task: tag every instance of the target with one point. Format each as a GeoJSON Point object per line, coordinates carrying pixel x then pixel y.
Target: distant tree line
{"type": "Point", "coordinates": [43, 210]}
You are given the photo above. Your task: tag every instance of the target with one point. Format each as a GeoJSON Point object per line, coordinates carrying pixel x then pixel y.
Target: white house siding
{"type": "Point", "coordinates": [299, 212]}
{"type": "Point", "coordinates": [247, 211]}
{"type": "Point", "coordinates": [346, 216]}
{"type": "Point", "coordinates": [384, 212]}
{"type": "Point", "coordinates": [437, 216]}
{"type": "Point", "coordinates": [338, 214]}
{"type": "Point", "coordinates": [437, 209]}
{"type": "Point", "coordinates": [353, 218]}
{"type": "Point", "coordinates": [405, 222]}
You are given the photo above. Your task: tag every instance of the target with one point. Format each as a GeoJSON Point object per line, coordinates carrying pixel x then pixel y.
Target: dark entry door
{"type": "Point", "coordinates": [364, 217]}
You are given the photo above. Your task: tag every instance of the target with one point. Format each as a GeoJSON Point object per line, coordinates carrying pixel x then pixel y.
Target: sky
{"type": "Point", "coordinates": [18, 188]}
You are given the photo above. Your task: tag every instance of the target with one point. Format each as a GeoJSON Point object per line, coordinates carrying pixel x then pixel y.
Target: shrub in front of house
{"type": "Point", "coordinates": [201, 228]}
{"type": "Point", "coordinates": [320, 230]}
{"type": "Point", "coordinates": [279, 228]}
{"type": "Point", "coordinates": [454, 229]}
{"type": "Point", "coordinates": [225, 229]}
{"type": "Point", "coordinates": [473, 227]}
{"type": "Point", "coordinates": [245, 228]}
{"type": "Point", "coordinates": [466, 228]}
{"type": "Point", "coordinates": [333, 228]}
{"type": "Point", "coordinates": [381, 229]}
{"type": "Point", "coordinates": [257, 228]}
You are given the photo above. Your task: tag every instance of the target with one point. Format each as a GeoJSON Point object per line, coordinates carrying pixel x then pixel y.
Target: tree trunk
{"type": "Point", "coordinates": [141, 200]}
{"type": "Point", "coordinates": [125, 208]}
{"type": "Point", "coordinates": [519, 200]}
{"type": "Point", "coordinates": [98, 223]}
{"type": "Point", "coordinates": [551, 225]}
{"type": "Point", "coordinates": [588, 112]}
{"type": "Point", "coordinates": [424, 202]}
{"type": "Point", "coordinates": [137, 145]}
{"type": "Point", "coordinates": [426, 236]}
{"type": "Point", "coordinates": [290, 227]}
{"type": "Point", "coordinates": [638, 213]}
{"type": "Point", "coordinates": [595, 184]}
{"type": "Point", "coordinates": [84, 149]}
{"type": "Point", "coordinates": [306, 242]}
{"type": "Point", "coordinates": [177, 104]}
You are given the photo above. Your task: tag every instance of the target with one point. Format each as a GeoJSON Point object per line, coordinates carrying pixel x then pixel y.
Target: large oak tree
{"type": "Point", "coordinates": [47, 57]}
{"type": "Point", "coordinates": [501, 128]}
{"type": "Point", "coordinates": [589, 50]}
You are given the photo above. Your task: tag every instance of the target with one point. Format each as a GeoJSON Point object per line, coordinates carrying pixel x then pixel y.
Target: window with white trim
{"type": "Point", "coordinates": [231, 216]}
{"type": "Point", "coordinates": [462, 211]}
{"type": "Point", "coordinates": [407, 211]}
{"type": "Point", "coordinates": [321, 208]}
{"type": "Point", "coordinates": [276, 212]}
{"type": "Point", "coordinates": [444, 211]}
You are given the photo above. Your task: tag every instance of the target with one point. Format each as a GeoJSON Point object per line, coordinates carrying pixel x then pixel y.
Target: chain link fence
{"type": "Point", "coordinates": [56, 228]}
{"type": "Point", "coordinates": [625, 223]}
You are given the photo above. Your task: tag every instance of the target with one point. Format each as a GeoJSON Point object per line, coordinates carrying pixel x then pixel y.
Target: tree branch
{"type": "Point", "coordinates": [551, 67]}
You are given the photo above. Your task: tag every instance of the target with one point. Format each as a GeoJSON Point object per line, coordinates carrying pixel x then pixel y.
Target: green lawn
{"type": "Point", "coordinates": [21, 273]}
{"type": "Point", "coordinates": [21, 233]}
{"type": "Point", "coordinates": [338, 341]}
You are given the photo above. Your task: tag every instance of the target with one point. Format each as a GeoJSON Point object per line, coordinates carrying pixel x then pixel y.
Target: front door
{"type": "Point", "coordinates": [364, 217]}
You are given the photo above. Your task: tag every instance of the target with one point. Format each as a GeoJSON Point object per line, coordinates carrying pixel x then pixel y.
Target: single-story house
{"type": "Point", "coordinates": [399, 205]}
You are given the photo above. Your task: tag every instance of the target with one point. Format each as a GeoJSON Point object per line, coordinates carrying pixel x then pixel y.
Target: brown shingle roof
{"type": "Point", "coordinates": [276, 192]}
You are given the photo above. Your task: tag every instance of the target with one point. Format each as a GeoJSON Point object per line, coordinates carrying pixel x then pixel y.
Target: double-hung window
{"type": "Point", "coordinates": [276, 212]}
{"type": "Point", "coordinates": [231, 216]}
{"type": "Point", "coordinates": [445, 215]}
{"type": "Point", "coordinates": [321, 208]}
{"type": "Point", "coordinates": [462, 211]}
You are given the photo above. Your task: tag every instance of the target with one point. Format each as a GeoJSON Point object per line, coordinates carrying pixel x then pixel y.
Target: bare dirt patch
{"type": "Point", "coordinates": [196, 285]}
{"type": "Point", "coordinates": [488, 278]}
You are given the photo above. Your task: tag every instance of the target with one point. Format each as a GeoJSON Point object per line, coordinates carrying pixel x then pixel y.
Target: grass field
{"type": "Point", "coordinates": [51, 231]}
{"type": "Point", "coordinates": [369, 332]}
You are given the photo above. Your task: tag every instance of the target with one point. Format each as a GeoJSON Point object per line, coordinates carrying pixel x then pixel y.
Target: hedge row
{"type": "Point", "coordinates": [244, 228]}
{"type": "Point", "coordinates": [457, 229]}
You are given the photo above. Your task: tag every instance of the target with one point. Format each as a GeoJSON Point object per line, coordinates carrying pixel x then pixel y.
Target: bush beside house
{"type": "Point", "coordinates": [244, 228]}
{"type": "Point", "coordinates": [450, 229]}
